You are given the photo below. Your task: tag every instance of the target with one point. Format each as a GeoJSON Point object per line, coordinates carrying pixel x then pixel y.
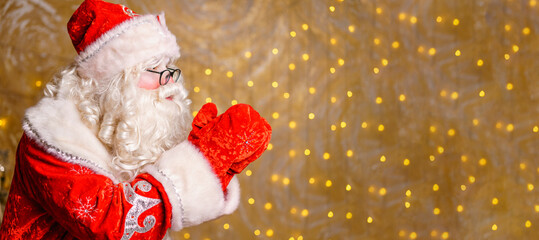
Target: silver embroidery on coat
{"type": "Point", "coordinates": [140, 205]}
{"type": "Point", "coordinates": [85, 210]}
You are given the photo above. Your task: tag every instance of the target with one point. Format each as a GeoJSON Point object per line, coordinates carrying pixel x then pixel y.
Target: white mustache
{"type": "Point", "coordinates": [168, 90]}
{"type": "Point", "coordinates": [175, 92]}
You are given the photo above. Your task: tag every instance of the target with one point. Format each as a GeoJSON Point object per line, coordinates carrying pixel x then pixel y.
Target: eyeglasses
{"type": "Point", "coordinates": [167, 74]}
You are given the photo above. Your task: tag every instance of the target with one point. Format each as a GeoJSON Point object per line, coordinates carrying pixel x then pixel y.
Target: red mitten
{"type": "Point", "coordinates": [206, 114]}
{"type": "Point", "coordinates": [231, 140]}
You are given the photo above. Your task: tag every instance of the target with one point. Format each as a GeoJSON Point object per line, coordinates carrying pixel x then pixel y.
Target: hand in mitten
{"type": "Point", "coordinates": [230, 141]}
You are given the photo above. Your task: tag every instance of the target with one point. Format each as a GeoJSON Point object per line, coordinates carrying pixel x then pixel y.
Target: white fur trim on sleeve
{"type": "Point", "coordinates": [191, 177]}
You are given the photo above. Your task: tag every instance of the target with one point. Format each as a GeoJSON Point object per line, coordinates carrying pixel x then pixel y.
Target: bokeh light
{"type": "Point", "coordinates": [391, 119]}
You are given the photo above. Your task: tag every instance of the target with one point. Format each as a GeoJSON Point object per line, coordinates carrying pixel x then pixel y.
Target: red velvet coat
{"type": "Point", "coordinates": [63, 187]}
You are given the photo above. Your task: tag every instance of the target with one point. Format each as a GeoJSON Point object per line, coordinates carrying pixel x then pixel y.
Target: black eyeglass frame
{"type": "Point", "coordinates": [171, 75]}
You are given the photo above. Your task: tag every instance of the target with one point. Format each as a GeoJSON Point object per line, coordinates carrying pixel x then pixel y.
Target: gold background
{"type": "Point", "coordinates": [391, 119]}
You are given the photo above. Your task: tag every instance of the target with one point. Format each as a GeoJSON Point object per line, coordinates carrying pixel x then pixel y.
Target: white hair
{"type": "Point", "coordinates": [135, 124]}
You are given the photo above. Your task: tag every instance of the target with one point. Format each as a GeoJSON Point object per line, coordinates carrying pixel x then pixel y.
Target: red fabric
{"type": "Point", "coordinates": [53, 199]}
{"type": "Point", "coordinates": [92, 19]}
{"type": "Point", "coordinates": [230, 141]}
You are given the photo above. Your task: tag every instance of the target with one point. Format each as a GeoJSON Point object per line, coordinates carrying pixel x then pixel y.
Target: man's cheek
{"type": "Point", "coordinates": [147, 82]}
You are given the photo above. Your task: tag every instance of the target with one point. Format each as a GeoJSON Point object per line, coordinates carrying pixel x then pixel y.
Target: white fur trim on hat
{"type": "Point", "coordinates": [199, 190]}
{"type": "Point", "coordinates": [131, 42]}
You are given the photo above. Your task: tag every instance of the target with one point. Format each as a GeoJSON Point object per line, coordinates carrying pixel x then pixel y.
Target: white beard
{"type": "Point", "coordinates": [141, 124]}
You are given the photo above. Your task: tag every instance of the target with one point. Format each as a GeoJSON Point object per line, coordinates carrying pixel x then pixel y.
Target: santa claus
{"type": "Point", "coordinates": [111, 151]}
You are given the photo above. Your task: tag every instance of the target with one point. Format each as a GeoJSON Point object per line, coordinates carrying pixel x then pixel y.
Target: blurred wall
{"type": "Point", "coordinates": [392, 119]}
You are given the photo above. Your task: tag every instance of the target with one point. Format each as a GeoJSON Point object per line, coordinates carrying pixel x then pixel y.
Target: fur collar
{"type": "Point", "coordinates": [56, 125]}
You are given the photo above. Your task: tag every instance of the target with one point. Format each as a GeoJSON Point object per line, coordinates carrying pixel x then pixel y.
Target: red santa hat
{"type": "Point", "coordinates": [111, 37]}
